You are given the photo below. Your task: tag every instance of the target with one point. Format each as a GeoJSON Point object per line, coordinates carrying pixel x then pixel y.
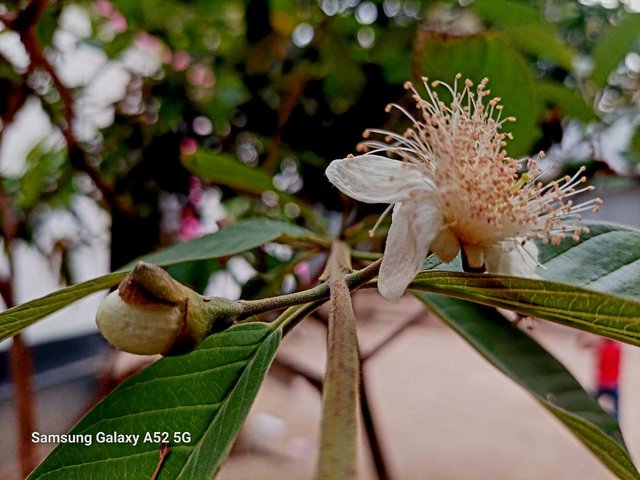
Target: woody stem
{"type": "Point", "coordinates": [246, 308]}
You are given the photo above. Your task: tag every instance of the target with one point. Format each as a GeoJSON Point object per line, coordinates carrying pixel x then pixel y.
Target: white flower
{"type": "Point", "coordinates": [454, 188]}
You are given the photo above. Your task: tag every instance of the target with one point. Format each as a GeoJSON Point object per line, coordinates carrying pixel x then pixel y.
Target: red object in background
{"type": "Point", "coordinates": [190, 224]}
{"type": "Point", "coordinates": [608, 364]}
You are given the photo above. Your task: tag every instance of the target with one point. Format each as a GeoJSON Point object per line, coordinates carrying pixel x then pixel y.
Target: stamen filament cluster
{"type": "Point", "coordinates": [486, 197]}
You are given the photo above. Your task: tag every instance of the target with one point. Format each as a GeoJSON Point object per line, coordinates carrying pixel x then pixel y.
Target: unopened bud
{"type": "Point", "coordinates": [152, 313]}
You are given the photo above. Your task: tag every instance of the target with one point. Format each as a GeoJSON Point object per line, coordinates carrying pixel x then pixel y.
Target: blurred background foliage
{"type": "Point", "coordinates": [244, 102]}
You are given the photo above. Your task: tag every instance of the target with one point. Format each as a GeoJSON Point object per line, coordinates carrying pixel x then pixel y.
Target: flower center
{"type": "Point", "coordinates": [486, 197]}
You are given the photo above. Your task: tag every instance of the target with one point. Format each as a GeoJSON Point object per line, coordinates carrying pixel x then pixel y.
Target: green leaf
{"type": "Point", "coordinates": [206, 393]}
{"type": "Point", "coordinates": [237, 238]}
{"type": "Point", "coordinates": [606, 260]}
{"type": "Point", "coordinates": [225, 169]}
{"type": "Point", "coordinates": [509, 13]}
{"type": "Point", "coordinates": [569, 101]}
{"type": "Point", "coordinates": [44, 167]}
{"type": "Point", "coordinates": [230, 91]}
{"type": "Point", "coordinates": [612, 47]}
{"type": "Point", "coordinates": [344, 78]}
{"type": "Point", "coordinates": [634, 148]}
{"type": "Point", "coordinates": [607, 315]}
{"type": "Point", "coordinates": [339, 432]}
{"type": "Point", "coordinates": [21, 316]}
{"type": "Point", "coordinates": [538, 41]}
{"type": "Point", "coordinates": [227, 241]}
{"type": "Point", "coordinates": [527, 29]}
{"type": "Point", "coordinates": [523, 360]}
{"type": "Point", "coordinates": [486, 55]}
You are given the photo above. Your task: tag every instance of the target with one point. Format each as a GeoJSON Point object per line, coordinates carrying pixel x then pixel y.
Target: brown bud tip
{"type": "Point", "coordinates": [150, 284]}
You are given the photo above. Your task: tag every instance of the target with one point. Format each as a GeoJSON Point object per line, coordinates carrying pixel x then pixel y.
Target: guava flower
{"type": "Point", "coordinates": [454, 188]}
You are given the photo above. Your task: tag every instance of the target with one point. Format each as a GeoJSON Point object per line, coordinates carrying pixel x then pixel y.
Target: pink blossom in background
{"type": "Point", "coordinates": [303, 272]}
{"type": "Point", "coordinates": [117, 23]}
{"type": "Point", "coordinates": [201, 76]}
{"type": "Point", "coordinates": [104, 8]}
{"type": "Point", "coordinates": [188, 146]}
{"type": "Point", "coordinates": [190, 225]}
{"type": "Point", "coordinates": [153, 45]}
{"type": "Point", "coordinates": [180, 61]}
{"type": "Point", "coordinates": [195, 191]}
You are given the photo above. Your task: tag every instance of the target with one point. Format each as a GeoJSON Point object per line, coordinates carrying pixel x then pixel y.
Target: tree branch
{"type": "Point", "coordinates": [20, 360]}
{"type": "Point", "coordinates": [24, 24]}
{"type": "Point", "coordinates": [247, 308]}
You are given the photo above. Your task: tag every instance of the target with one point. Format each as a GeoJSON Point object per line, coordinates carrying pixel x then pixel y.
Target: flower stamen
{"type": "Point", "coordinates": [453, 187]}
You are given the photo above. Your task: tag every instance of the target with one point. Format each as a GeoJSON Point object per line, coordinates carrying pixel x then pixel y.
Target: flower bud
{"type": "Point", "coordinates": [152, 313]}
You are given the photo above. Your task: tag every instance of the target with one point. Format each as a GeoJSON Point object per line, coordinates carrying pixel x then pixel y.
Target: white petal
{"type": "Point", "coordinates": [413, 228]}
{"type": "Point", "coordinates": [515, 260]}
{"type": "Point", "coordinates": [376, 179]}
{"type": "Point", "coordinates": [446, 245]}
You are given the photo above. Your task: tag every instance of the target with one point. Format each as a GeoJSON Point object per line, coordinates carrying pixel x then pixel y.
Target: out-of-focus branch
{"type": "Point", "coordinates": [14, 101]}
{"type": "Point", "coordinates": [395, 334]}
{"type": "Point", "coordinates": [297, 85]}
{"type": "Point", "coordinates": [19, 354]}
{"type": "Point", "coordinates": [22, 376]}
{"type": "Point", "coordinates": [24, 23]}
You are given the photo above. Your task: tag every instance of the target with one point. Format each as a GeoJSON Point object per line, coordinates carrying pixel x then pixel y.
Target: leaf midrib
{"type": "Point", "coordinates": [223, 410]}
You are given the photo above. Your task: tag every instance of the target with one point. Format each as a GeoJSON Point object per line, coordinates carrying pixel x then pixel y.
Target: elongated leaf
{"type": "Point", "coordinates": [594, 312]}
{"type": "Point", "coordinates": [523, 360]}
{"type": "Point", "coordinates": [527, 29]}
{"type": "Point", "coordinates": [225, 169]}
{"type": "Point", "coordinates": [606, 260]}
{"type": "Point", "coordinates": [206, 394]}
{"type": "Point", "coordinates": [237, 238]}
{"type": "Point", "coordinates": [339, 432]}
{"type": "Point", "coordinates": [228, 241]}
{"type": "Point", "coordinates": [489, 55]}
{"type": "Point", "coordinates": [612, 48]}
{"type": "Point", "coordinates": [568, 101]}
{"type": "Point", "coordinates": [344, 79]}
{"type": "Point", "coordinates": [539, 42]}
{"type": "Point", "coordinates": [510, 13]}
{"type": "Point", "coordinates": [21, 316]}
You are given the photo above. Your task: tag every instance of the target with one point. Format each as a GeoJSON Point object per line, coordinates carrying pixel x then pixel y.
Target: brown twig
{"type": "Point", "coordinates": [395, 334]}
{"type": "Point", "coordinates": [296, 87]}
{"type": "Point", "coordinates": [22, 376]}
{"type": "Point", "coordinates": [314, 379]}
{"type": "Point", "coordinates": [377, 453]}
{"type": "Point", "coordinates": [24, 23]}
{"type": "Point", "coordinates": [162, 455]}
{"type": "Point", "coordinates": [19, 354]}
{"type": "Point", "coordinates": [16, 99]}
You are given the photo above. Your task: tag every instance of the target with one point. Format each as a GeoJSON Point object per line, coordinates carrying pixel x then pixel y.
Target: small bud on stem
{"type": "Point", "coordinates": [152, 313]}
